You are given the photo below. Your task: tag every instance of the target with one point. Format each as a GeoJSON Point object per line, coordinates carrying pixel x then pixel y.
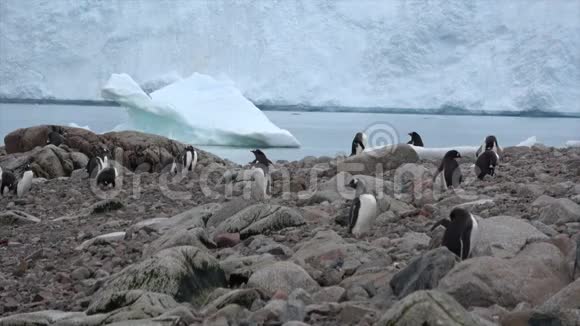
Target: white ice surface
{"type": "Point", "coordinates": [199, 110]}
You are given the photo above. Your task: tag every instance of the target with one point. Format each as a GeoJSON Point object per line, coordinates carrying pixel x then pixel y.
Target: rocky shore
{"type": "Point", "coordinates": [164, 250]}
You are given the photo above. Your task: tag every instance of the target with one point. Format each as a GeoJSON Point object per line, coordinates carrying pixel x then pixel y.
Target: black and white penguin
{"type": "Point", "coordinates": [451, 172]}
{"type": "Point", "coordinates": [7, 182]}
{"type": "Point", "coordinates": [415, 139]}
{"type": "Point", "coordinates": [25, 182]}
{"type": "Point", "coordinates": [489, 143]}
{"type": "Point", "coordinates": [173, 169]}
{"type": "Point", "coordinates": [188, 160]}
{"type": "Point", "coordinates": [486, 164]}
{"type": "Point", "coordinates": [363, 210]}
{"type": "Point", "coordinates": [259, 183]}
{"type": "Point", "coordinates": [94, 164]}
{"type": "Point", "coordinates": [106, 176]}
{"type": "Point", "coordinates": [358, 143]}
{"type": "Point", "coordinates": [260, 158]}
{"type": "Point", "coordinates": [461, 233]}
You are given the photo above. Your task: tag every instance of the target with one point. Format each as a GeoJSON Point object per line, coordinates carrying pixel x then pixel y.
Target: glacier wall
{"type": "Point", "coordinates": [486, 55]}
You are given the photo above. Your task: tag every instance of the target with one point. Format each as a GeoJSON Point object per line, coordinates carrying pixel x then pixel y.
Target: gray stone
{"type": "Point", "coordinates": [427, 308]}
{"type": "Point", "coordinates": [241, 297]}
{"type": "Point", "coordinates": [38, 318]}
{"type": "Point", "coordinates": [543, 200]}
{"type": "Point", "coordinates": [196, 237]}
{"type": "Point", "coordinates": [285, 276]}
{"type": "Point", "coordinates": [132, 305]}
{"type": "Point", "coordinates": [423, 272]}
{"type": "Point", "coordinates": [102, 239]}
{"type": "Point", "coordinates": [412, 241]}
{"type": "Point", "coordinates": [561, 211]}
{"type": "Point", "coordinates": [189, 219]}
{"type": "Point", "coordinates": [504, 236]}
{"type": "Point", "coordinates": [386, 158]}
{"type": "Point", "coordinates": [14, 217]}
{"type": "Point", "coordinates": [566, 298]}
{"type": "Point", "coordinates": [329, 294]}
{"type": "Point", "coordinates": [532, 276]}
{"type": "Point", "coordinates": [80, 273]}
{"type": "Point", "coordinates": [240, 268]}
{"type": "Point", "coordinates": [185, 273]}
{"type": "Point", "coordinates": [260, 219]}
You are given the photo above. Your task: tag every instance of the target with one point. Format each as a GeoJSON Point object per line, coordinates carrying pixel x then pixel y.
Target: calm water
{"type": "Point", "coordinates": [324, 133]}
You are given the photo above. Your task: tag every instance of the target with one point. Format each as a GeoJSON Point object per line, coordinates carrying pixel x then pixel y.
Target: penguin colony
{"type": "Point", "coordinates": [461, 227]}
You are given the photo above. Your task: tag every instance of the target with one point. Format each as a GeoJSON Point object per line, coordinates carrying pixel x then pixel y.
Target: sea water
{"type": "Point", "coordinates": [323, 133]}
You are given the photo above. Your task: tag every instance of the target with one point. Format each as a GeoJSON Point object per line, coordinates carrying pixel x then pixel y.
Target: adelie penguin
{"type": "Point", "coordinates": [486, 164]}
{"type": "Point", "coordinates": [358, 143]}
{"type": "Point", "coordinates": [451, 172]}
{"type": "Point", "coordinates": [25, 182]}
{"type": "Point", "coordinates": [363, 211]}
{"type": "Point", "coordinates": [415, 139]}
{"type": "Point", "coordinates": [188, 160]}
{"type": "Point", "coordinates": [489, 143]}
{"type": "Point", "coordinates": [7, 182]}
{"type": "Point", "coordinates": [262, 162]}
{"type": "Point", "coordinates": [461, 233]}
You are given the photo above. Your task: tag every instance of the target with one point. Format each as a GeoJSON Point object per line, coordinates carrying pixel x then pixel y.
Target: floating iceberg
{"type": "Point", "coordinates": [531, 141]}
{"type": "Point", "coordinates": [573, 143]}
{"type": "Point", "coordinates": [199, 110]}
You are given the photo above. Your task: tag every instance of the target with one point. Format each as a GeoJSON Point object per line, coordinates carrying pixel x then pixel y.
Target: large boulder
{"type": "Point", "coordinates": [427, 308]}
{"type": "Point", "coordinates": [283, 275]}
{"type": "Point", "coordinates": [423, 272]}
{"type": "Point", "coordinates": [379, 160]}
{"type": "Point", "coordinates": [567, 298]}
{"type": "Point", "coordinates": [186, 273]}
{"type": "Point", "coordinates": [131, 305]}
{"type": "Point", "coordinates": [504, 236]}
{"type": "Point", "coordinates": [193, 236]}
{"type": "Point", "coordinates": [328, 257]}
{"type": "Point", "coordinates": [46, 162]}
{"type": "Point", "coordinates": [561, 211]}
{"type": "Point", "coordinates": [261, 218]}
{"type": "Point", "coordinates": [532, 276]}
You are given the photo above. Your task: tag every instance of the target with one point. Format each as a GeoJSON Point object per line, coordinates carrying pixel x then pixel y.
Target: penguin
{"type": "Point", "coordinates": [7, 182]}
{"type": "Point", "coordinates": [56, 136]}
{"type": "Point", "coordinates": [106, 176]}
{"type": "Point", "coordinates": [259, 184]}
{"type": "Point", "coordinates": [94, 163]}
{"type": "Point", "coordinates": [173, 169]}
{"type": "Point", "coordinates": [415, 139]}
{"type": "Point", "coordinates": [485, 164]}
{"type": "Point", "coordinates": [461, 232]}
{"type": "Point", "coordinates": [26, 181]}
{"type": "Point", "coordinates": [451, 171]}
{"type": "Point", "coordinates": [188, 159]}
{"type": "Point", "coordinates": [260, 158]}
{"type": "Point", "coordinates": [363, 210]}
{"type": "Point", "coordinates": [358, 143]}
{"type": "Point", "coordinates": [489, 143]}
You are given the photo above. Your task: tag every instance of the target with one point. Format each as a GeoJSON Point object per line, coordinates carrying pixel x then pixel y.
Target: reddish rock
{"type": "Point", "coordinates": [280, 295]}
{"type": "Point", "coordinates": [225, 240]}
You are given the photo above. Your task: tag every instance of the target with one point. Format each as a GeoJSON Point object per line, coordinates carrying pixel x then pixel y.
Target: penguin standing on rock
{"type": "Point", "coordinates": [461, 233]}
{"type": "Point", "coordinates": [7, 182]}
{"type": "Point", "coordinates": [489, 143]}
{"type": "Point", "coordinates": [262, 162]}
{"type": "Point", "coordinates": [26, 182]}
{"type": "Point", "coordinates": [363, 211]}
{"type": "Point", "coordinates": [358, 143]}
{"type": "Point", "coordinates": [450, 168]}
{"type": "Point", "coordinates": [486, 164]}
{"type": "Point", "coordinates": [188, 159]}
{"type": "Point", "coordinates": [415, 139]}
{"type": "Point", "coordinates": [55, 136]}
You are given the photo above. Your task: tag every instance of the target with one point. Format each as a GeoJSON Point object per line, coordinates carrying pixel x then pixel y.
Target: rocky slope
{"type": "Point", "coordinates": [162, 250]}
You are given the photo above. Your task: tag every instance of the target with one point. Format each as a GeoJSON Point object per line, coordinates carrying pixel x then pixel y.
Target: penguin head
{"type": "Point", "coordinates": [189, 148]}
{"type": "Point", "coordinates": [353, 183]}
{"type": "Point", "coordinates": [257, 152]}
{"type": "Point", "coordinates": [452, 154]}
{"type": "Point", "coordinates": [27, 167]}
{"type": "Point", "coordinates": [490, 142]}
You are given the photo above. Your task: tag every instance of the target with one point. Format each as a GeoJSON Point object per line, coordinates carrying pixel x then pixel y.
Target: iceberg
{"type": "Point", "coordinates": [573, 143]}
{"type": "Point", "coordinates": [531, 141]}
{"type": "Point", "coordinates": [198, 110]}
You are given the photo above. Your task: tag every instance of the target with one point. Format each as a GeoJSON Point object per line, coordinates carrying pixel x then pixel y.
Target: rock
{"type": "Point", "coordinates": [261, 244]}
{"type": "Point", "coordinates": [284, 276]}
{"type": "Point", "coordinates": [328, 257]}
{"type": "Point", "coordinates": [427, 308]}
{"type": "Point", "coordinates": [38, 318]}
{"type": "Point", "coordinates": [423, 272]}
{"type": "Point", "coordinates": [185, 273]}
{"type": "Point", "coordinates": [132, 305]}
{"type": "Point", "coordinates": [545, 229]}
{"type": "Point", "coordinates": [356, 293]}
{"type": "Point", "coordinates": [329, 294]}
{"type": "Point", "coordinates": [241, 297]}
{"type": "Point", "coordinates": [543, 200]}
{"type": "Point", "coordinates": [102, 239]}
{"type": "Point", "coordinates": [226, 240]}
{"type": "Point", "coordinates": [532, 276]}
{"type": "Point", "coordinates": [189, 219]}
{"type": "Point", "coordinates": [238, 269]}
{"type": "Point", "coordinates": [412, 241]}
{"type": "Point", "coordinates": [566, 298]}
{"type": "Point", "coordinates": [15, 217]}
{"type": "Point", "coordinates": [386, 158]}
{"type": "Point", "coordinates": [259, 219]}
{"type": "Point", "coordinates": [504, 236]}
{"type": "Point", "coordinates": [227, 210]}
{"type": "Point", "coordinates": [561, 211]}
{"type": "Point", "coordinates": [79, 160]}
{"type": "Point", "coordinates": [196, 237]}
{"type": "Point", "coordinates": [81, 273]}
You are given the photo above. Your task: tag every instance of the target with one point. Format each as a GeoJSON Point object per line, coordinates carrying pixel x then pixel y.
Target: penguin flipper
{"type": "Point", "coordinates": [354, 210]}
{"type": "Point", "coordinates": [465, 244]}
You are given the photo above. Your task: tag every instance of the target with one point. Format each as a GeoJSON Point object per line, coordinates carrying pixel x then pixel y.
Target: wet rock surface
{"type": "Point", "coordinates": [164, 250]}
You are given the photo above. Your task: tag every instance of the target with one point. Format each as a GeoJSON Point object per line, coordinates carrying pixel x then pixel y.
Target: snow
{"type": "Point", "coordinates": [573, 143]}
{"type": "Point", "coordinates": [426, 153]}
{"type": "Point", "coordinates": [199, 110]}
{"type": "Point", "coordinates": [74, 125]}
{"type": "Point", "coordinates": [489, 55]}
{"type": "Point", "coordinates": [531, 141]}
